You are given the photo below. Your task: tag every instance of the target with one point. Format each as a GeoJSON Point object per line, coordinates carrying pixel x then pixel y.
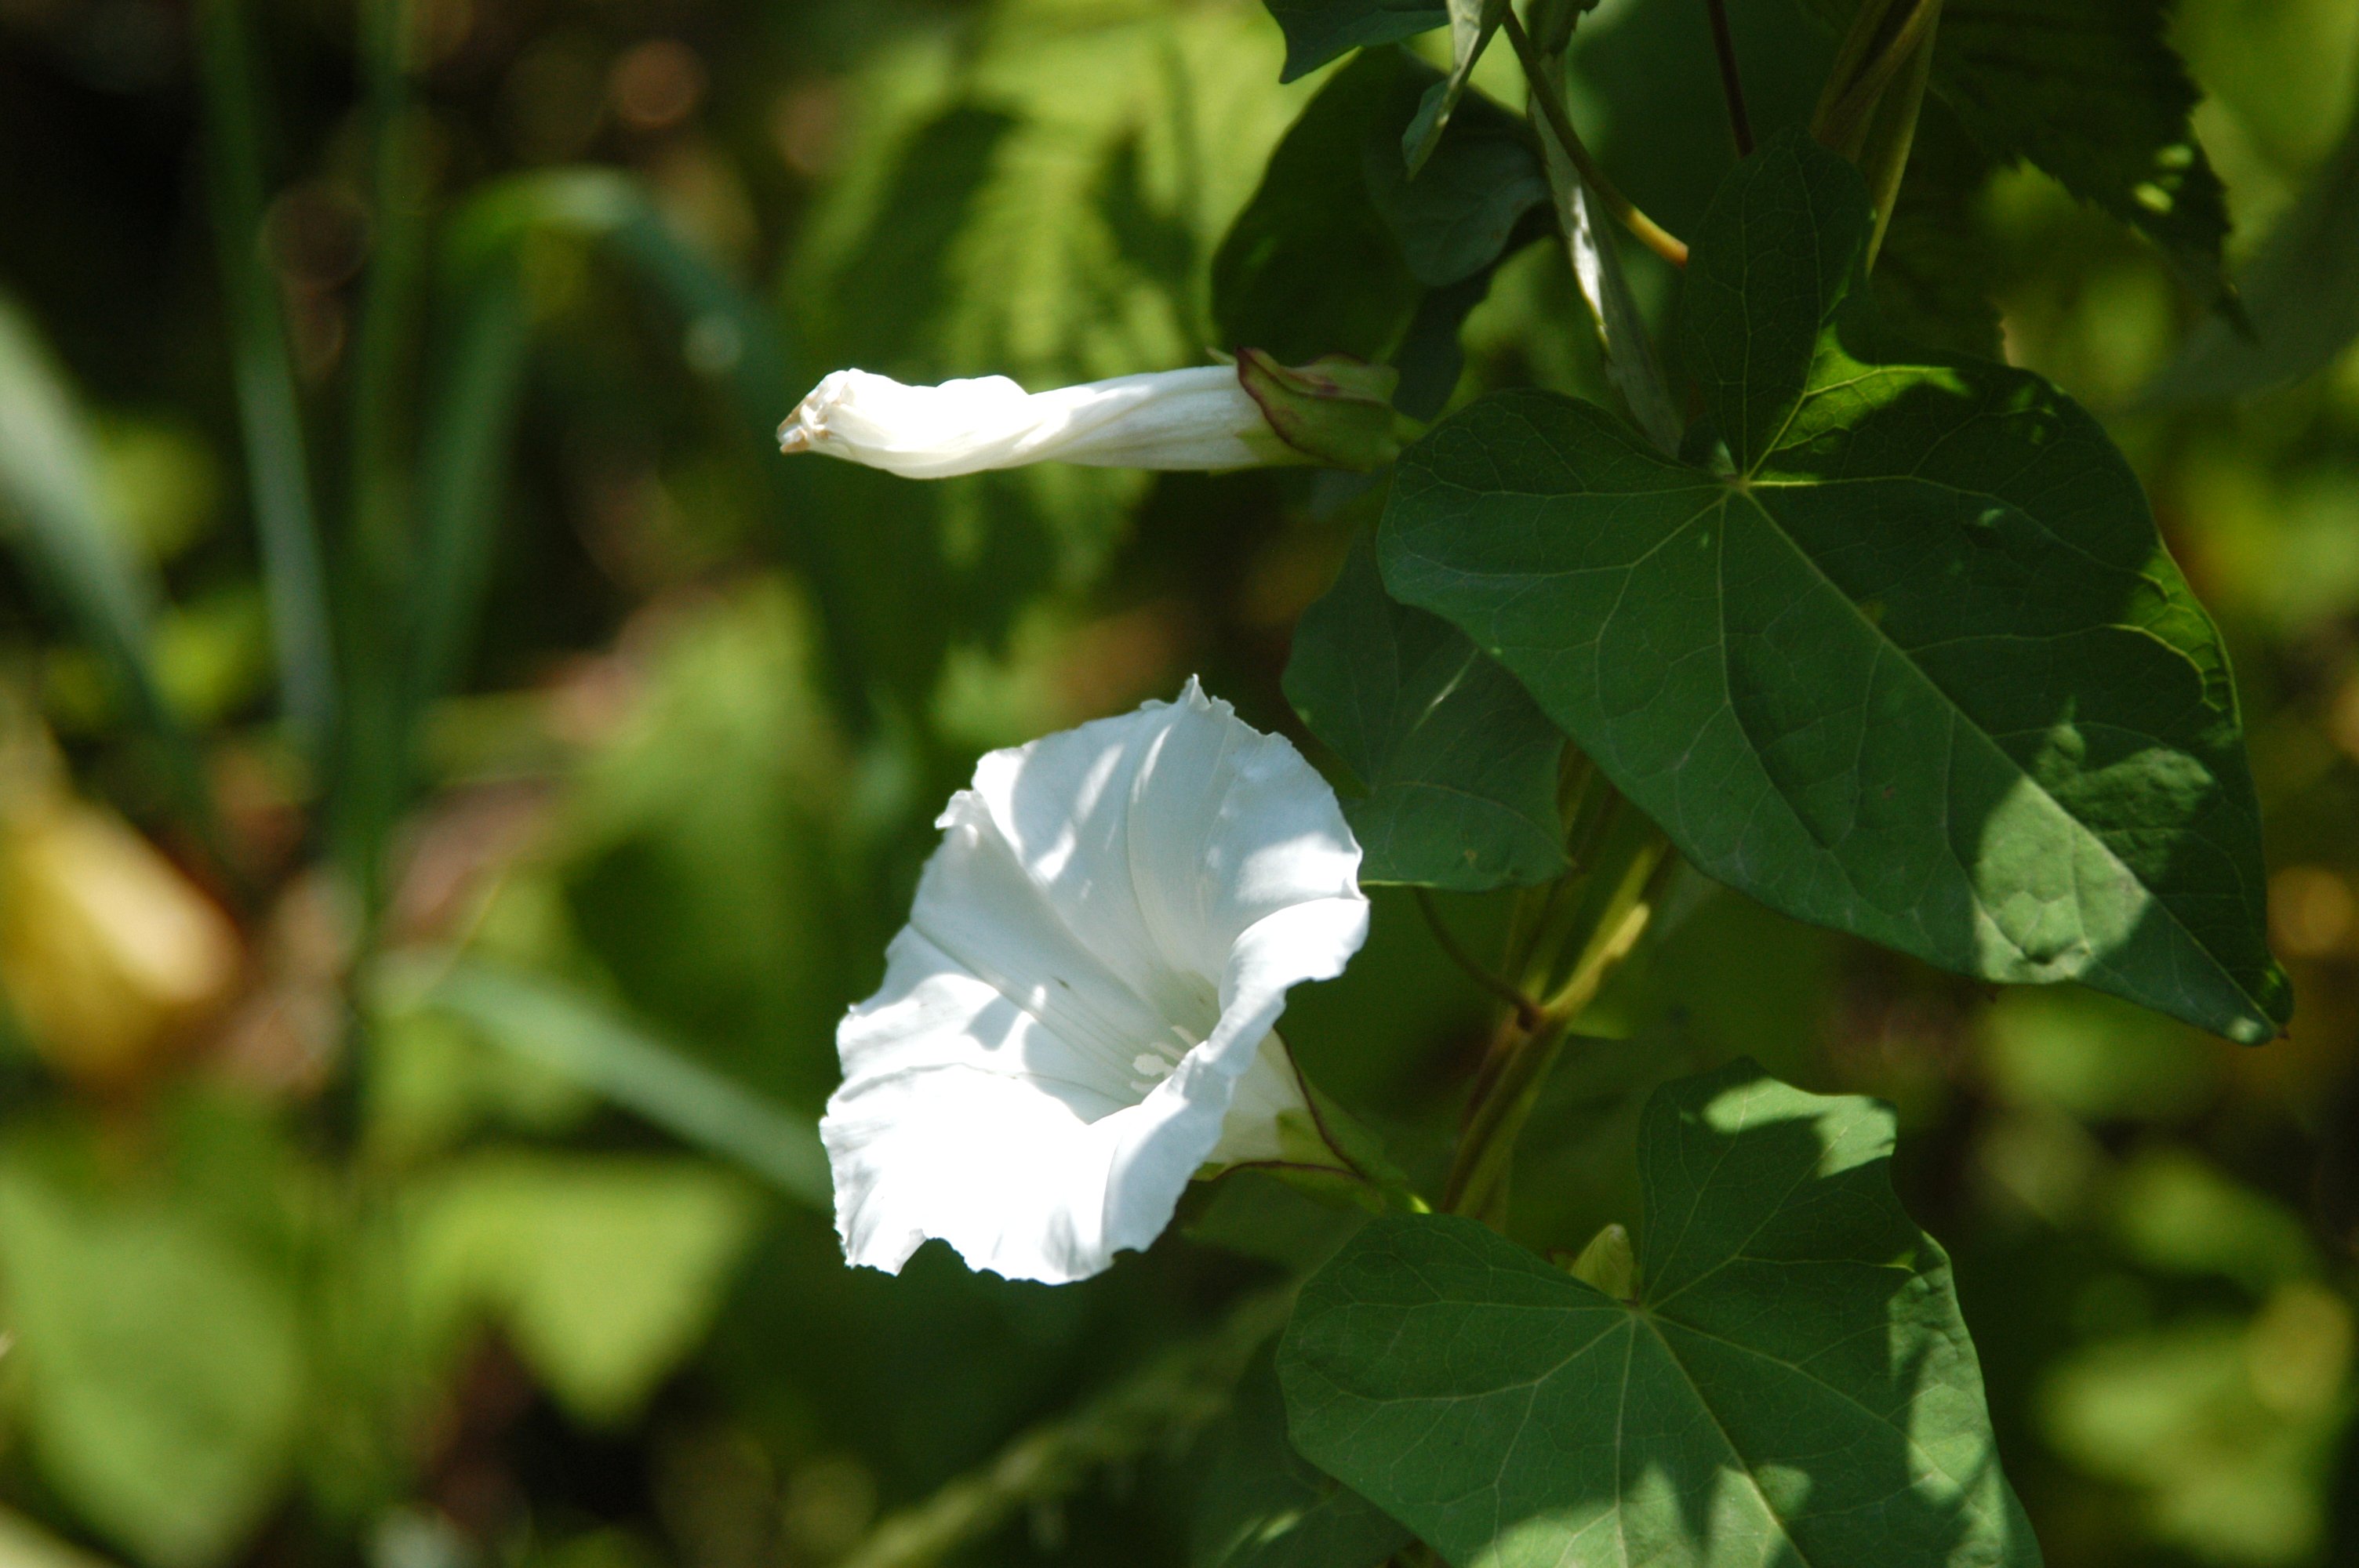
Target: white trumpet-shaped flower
{"type": "Point", "coordinates": [1199, 418]}
{"type": "Point", "coordinates": [1080, 1014]}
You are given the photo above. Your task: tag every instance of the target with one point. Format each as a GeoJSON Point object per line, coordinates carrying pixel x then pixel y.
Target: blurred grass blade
{"type": "Point", "coordinates": [570, 1035]}
{"type": "Point", "coordinates": [372, 772]}
{"type": "Point", "coordinates": [462, 473]}
{"type": "Point", "coordinates": [726, 333]}
{"type": "Point", "coordinates": [52, 517]}
{"type": "Point", "coordinates": [734, 337]}
{"type": "Point", "coordinates": [278, 473]}
{"type": "Point", "coordinates": [384, 343]}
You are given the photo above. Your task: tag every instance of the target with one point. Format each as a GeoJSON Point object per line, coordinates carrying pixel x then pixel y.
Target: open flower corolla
{"type": "Point", "coordinates": [1080, 1014]}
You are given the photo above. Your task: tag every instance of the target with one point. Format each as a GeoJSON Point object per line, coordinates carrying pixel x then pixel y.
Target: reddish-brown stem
{"type": "Point", "coordinates": [1732, 84]}
{"type": "Point", "coordinates": [1527, 1011]}
{"type": "Point", "coordinates": [1651, 235]}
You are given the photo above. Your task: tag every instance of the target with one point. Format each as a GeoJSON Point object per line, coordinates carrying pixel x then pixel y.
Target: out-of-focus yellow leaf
{"type": "Point", "coordinates": [24, 1544]}
{"type": "Point", "coordinates": [106, 950]}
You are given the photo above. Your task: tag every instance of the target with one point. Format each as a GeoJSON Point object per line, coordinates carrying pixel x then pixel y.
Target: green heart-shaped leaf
{"type": "Point", "coordinates": [1318, 30]}
{"type": "Point", "coordinates": [1919, 666]}
{"type": "Point", "coordinates": [1339, 252]}
{"type": "Point", "coordinates": [1793, 1385]}
{"type": "Point", "coordinates": [1460, 766]}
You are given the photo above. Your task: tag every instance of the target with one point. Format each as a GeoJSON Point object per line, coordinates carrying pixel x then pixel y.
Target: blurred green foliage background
{"type": "Point", "coordinates": [420, 980]}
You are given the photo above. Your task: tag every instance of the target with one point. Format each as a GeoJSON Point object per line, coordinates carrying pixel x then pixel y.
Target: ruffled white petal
{"type": "Point", "coordinates": [1201, 418]}
{"type": "Point", "coordinates": [1081, 1009]}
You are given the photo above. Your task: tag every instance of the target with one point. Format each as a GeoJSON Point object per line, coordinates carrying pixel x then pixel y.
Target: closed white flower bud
{"type": "Point", "coordinates": [1201, 418]}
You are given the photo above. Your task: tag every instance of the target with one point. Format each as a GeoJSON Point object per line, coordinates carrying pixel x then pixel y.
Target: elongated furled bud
{"type": "Point", "coordinates": [1199, 418]}
{"type": "Point", "coordinates": [1253, 414]}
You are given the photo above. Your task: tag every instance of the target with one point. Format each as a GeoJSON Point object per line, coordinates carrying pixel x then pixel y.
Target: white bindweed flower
{"type": "Point", "coordinates": [1080, 1014]}
{"type": "Point", "coordinates": [1200, 419]}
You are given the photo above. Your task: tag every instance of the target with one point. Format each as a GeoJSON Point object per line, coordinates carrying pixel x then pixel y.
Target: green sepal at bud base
{"type": "Point", "coordinates": [1335, 410]}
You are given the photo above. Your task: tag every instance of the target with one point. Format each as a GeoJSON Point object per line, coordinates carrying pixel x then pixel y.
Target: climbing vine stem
{"type": "Point", "coordinates": [1651, 235]}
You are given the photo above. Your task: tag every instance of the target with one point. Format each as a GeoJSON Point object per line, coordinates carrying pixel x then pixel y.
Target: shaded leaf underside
{"type": "Point", "coordinates": [1460, 765]}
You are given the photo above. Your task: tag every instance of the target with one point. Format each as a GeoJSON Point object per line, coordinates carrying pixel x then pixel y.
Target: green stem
{"type": "Point", "coordinates": [1618, 928]}
{"type": "Point", "coordinates": [463, 470]}
{"type": "Point", "coordinates": [375, 762]}
{"type": "Point", "coordinates": [1858, 43]}
{"type": "Point", "coordinates": [1581, 793]}
{"type": "Point", "coordinates": [269, 413]}
{"type": "Point", "coordinates": [1732, 82]}
{"type": "Point", "coordinates": [1892, 132]}
{"type": "Point", "coordinates": [1879, 45]}
{"type": "Point", "coordinates": [576, 1038]}
{"type": "Point", "coordinates": [1631, 367]}
{"type": "Point", "coordinates": [1477, 1178]}
{"type": "Point", "coordinates": [1575, 775]}
{"type": "Point", "coordinates": [382, 344]}
{"type": "Point", "coordinates": [1527, 1011]}
{"type": "Point", "coordinates": [1570, 913]}
{"type": "Point", "coordinates": [1612, 917]}
{"type": "Point", "coordinates": [1651, 235]}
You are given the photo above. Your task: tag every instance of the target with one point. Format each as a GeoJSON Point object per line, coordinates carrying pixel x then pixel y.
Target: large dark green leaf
{"type": "Point", "coordinates": [1318, 30]}
{"type": "Point", "coordinates": [1339, 252]}
{"type": "Point", "coordinates": [1473, 199]}
{"type": "Point", "coordinates": [2091, 91]}
{"type": "Point", "coordinates": [1920, 668]}
{"type": "Point", "coordinates": [1460, 765]}
{"type": "Point", "coordinates": [1310, 266]}
{"type": "Point", "coordinates": [1792, 1385]}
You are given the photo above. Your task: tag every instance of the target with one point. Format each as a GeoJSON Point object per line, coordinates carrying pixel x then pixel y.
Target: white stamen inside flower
{"type": "Point", "coordinates": [1080, 1014]}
